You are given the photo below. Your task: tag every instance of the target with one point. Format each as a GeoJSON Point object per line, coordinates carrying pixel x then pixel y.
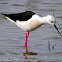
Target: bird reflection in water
{"type": "Point", "coordinates": [29, 53]}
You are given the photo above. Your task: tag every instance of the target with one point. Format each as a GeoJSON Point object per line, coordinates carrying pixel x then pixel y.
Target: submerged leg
{"type": "Point", "coordinates": [27, 34]}
{"type": "Point", "coordinates": [24, 56]}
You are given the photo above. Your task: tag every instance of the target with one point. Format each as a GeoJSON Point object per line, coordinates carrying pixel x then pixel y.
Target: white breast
{"type": "Point", "coordinates": [29, 25]}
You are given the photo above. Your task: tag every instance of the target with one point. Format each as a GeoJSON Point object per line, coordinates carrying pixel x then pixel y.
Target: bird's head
{"type": "Point", "coordinates": [52, 21]}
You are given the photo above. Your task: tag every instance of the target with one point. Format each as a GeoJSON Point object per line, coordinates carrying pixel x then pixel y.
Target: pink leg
{"type": "Point", "coordinates": [26, 41]}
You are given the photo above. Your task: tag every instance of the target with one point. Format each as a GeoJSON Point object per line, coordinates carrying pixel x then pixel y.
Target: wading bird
{"type": "Point", "coordinates": [29, 21]}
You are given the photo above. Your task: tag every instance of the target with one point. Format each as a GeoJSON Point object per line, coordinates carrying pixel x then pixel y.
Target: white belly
{"type": "Point", "coordinates": [28, 26]}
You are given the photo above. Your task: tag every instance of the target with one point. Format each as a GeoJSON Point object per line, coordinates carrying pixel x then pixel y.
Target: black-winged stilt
{"type": "Point", "coordinates": [29, 21]}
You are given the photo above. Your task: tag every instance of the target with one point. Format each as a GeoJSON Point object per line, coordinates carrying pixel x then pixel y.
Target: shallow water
{"type": "Point", "coordinates": [44, 44]}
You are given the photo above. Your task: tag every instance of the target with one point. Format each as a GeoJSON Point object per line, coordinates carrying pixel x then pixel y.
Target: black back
{"type": "Point", "coordinates": [24, 16]}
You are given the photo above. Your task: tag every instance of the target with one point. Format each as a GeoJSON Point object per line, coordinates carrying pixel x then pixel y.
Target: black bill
{"type": "Point", "coordinates": [57, 29]}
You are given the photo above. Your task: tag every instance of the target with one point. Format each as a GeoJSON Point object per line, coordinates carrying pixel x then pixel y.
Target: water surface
{"type": "Point", "coordinates": [45, 44]}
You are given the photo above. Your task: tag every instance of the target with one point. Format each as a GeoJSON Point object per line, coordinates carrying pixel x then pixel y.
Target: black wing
{"type": "Point", "coordinates": [24, 16]}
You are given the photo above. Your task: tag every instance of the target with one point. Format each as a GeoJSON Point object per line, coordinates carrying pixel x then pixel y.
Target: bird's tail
{"type": "Point", "coordinates": [4, 14]}
{"type": "Point", "coordinates": [8, 18]}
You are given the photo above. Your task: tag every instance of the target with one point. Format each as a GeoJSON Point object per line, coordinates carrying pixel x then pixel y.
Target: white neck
{"type": "Point", "coordinates": [44, 20]}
